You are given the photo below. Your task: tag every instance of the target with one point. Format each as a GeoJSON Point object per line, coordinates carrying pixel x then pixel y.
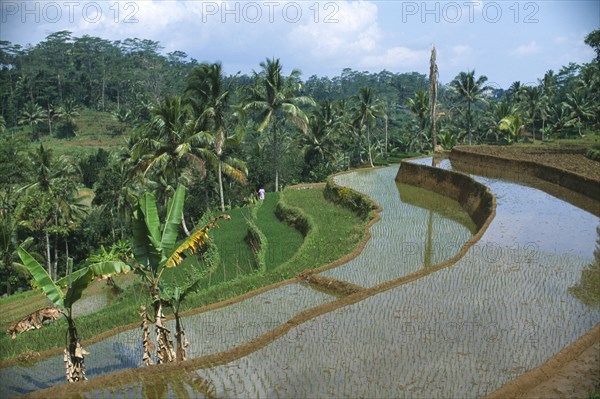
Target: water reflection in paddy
{"type": "Point", "coordinates": [208, 333]}
{"type": "Point", "coordinates": [464, 331]}
{"type": "Point", "coordinates": [418, 229]}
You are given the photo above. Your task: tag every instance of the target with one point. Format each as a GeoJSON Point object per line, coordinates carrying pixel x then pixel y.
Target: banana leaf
{"type": "Point", "coordinates": [78, 284]}
{"type": "Point", "coordinates": [42, 278]}
{"type": "Point", "coordinates": [169, 236]}
{"type": "Point", "coordinates": [146, 253]}
{"type": "Point", "coordinates": [109, 268]}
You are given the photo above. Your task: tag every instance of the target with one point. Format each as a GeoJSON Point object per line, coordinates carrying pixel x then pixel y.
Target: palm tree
{"type": "Point", "coordinates": [32, 115]}
{"type": "Point", "coordinates": [115, 192]}
{"type": "Point", "coordinates": [531, 97]}
{"type": "Point", "coordinates": [497, 111]}
{"type": "Point", "coordinates": [469, 91]}
{"type": "Point", "coordinates": [514, 92]}
{"type": "Point", "coordinates": [205, 86]}
{"type": "Point", "coordinates": [320, 142]}
{"type": "Point", "coordinates": [67, 112]}
{"type": "Point", "coordinates": [367, 111]}
{"type": "Point", "coordinates": [274, 97]}
{"type": "Point", "coordinates": [56, 200]}
{"type": "Point", "coordinates": [419, 106]}
{"type": "Point", "coordinates": [580, 108]}
{"type": "Point", "coordinates": [170, 141]}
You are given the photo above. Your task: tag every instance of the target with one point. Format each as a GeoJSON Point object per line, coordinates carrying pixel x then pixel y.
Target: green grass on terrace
{"type": "Point", "coordinates": [283, 240]}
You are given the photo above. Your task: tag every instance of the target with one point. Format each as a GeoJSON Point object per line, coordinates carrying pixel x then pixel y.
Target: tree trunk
{"type": "Point", "coordinates": [182, 342]}
{"type": "Point", "coordinates": [369, 146]}
{"type": "Point", "coordinates": [74, 355]}
{"type": "Point", "coordinates": [206, 199]}
{"type": "Point", "coordinates": [49, 120]}
{"type": "Point", "coordinates": [469, 121]}
{"type": "Point", "coordinates": [185, 229]}
{"type": "Point", "coordinates": [276, 154]}
{"type": "Point", "coordinates": [112, 224]}
{"type": "Point", "coordinates": [385, 151]}
{"type": "Point", "coordinates": [67, 253]}
{"type": "Point", "coordinates": [55, 260]}
{"type": "Point", "coordinates": [164, 350]}
{"type": "Point", "coordinates": [48, 259]}
{"type": "Point", "coordinates": [220, 177]}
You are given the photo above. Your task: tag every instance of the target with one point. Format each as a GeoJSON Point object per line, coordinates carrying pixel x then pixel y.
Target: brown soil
{"type": "Point", "coordinates": [573, 373]}
{"type": "Point", "coordinates": [571, 159]}
{"type": "Point", "coordinates": [568, 382]}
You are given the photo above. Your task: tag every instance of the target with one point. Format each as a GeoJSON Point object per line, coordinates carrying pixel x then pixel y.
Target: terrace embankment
{"type": "Point", "coordinates": [475, 198]}
{"type": "Point", "coordinates": [542, 163]}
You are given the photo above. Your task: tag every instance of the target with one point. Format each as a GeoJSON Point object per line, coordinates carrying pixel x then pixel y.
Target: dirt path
{"type": "Point", "coordinates": [571, 159]}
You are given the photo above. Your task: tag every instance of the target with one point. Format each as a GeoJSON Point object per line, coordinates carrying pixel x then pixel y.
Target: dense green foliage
{"type": "Point", "coordinates": [89, 125]}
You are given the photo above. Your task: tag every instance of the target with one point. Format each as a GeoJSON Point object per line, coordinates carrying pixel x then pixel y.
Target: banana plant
{"type": "Point", "coordinates": [154, 250]}
{"type": "Point", "coordinates": [75, 283]}
{"type": "Point", "coordinates": [174, 297]}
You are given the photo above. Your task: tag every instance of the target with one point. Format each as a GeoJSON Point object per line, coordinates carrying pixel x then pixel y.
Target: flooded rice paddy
{"type": "Point", "coordinates": [208, 333]}
{"type": "Point", "coordinates": [504, 308]}
{"type": "Point", "coordinates": [418, 228]}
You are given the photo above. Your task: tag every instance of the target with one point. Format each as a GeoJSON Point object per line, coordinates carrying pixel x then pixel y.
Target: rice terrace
{"type": "Point", "coordinates": [173, 229]}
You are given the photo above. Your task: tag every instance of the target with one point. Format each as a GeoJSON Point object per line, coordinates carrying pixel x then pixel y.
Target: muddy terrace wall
{"type": "Point", "coordinates": [353, 200]}
{"type": "Point", "coordinates": [474, 197]}
{"type": "Point", "coordinates": [570, 180]}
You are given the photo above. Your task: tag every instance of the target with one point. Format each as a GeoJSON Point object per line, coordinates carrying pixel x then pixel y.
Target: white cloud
{"type": "Point", "coordinates": [355, 40]}
{"type": "Point", "coordinates": [456, 56]}
{"type": "Point", "coordinates": [355, 31]}
{"type": "Point", "coordinates": [397, 58]}
{"type": "Point", "coordinates": [527, 49]}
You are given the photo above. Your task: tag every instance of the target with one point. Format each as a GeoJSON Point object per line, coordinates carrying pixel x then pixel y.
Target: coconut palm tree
{"type": "Point", "coordinates": [419, 106]}
{"type": "Point", "coordinates": [469, 91]}
{"type": "Point", "coordinates": [67, 112]}
{"type": "Point", "coordinates": [32, 115]}
{"type": "Point", "coordinates": [205, 88]}
{"type": "Point", "coordinates": [367, 110]}
{"type": "Point", "coordinates": [55, 204]}
{"type": "Point", "coordinates": [171, 141]}
{"type": "Point", "coordinates": [513, 126]}
{"type": "Point", "coordinates": [580, 109]}
{"type": "Point", "coordinates": [531, 97]}
{"type": "Point", "coordinates": [320, 142]}
{"type": "Point", "coordinates": [274, 97]}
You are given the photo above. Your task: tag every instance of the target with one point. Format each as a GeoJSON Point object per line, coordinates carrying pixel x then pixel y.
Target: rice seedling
{"type": "Point", "coordinates": [463, 331]}
{"type": "Point", "coordinates": [460, 332]}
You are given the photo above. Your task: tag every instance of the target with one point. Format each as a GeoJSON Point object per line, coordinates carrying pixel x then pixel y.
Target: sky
{"type": "Point", "coordinates": [503, 40]}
